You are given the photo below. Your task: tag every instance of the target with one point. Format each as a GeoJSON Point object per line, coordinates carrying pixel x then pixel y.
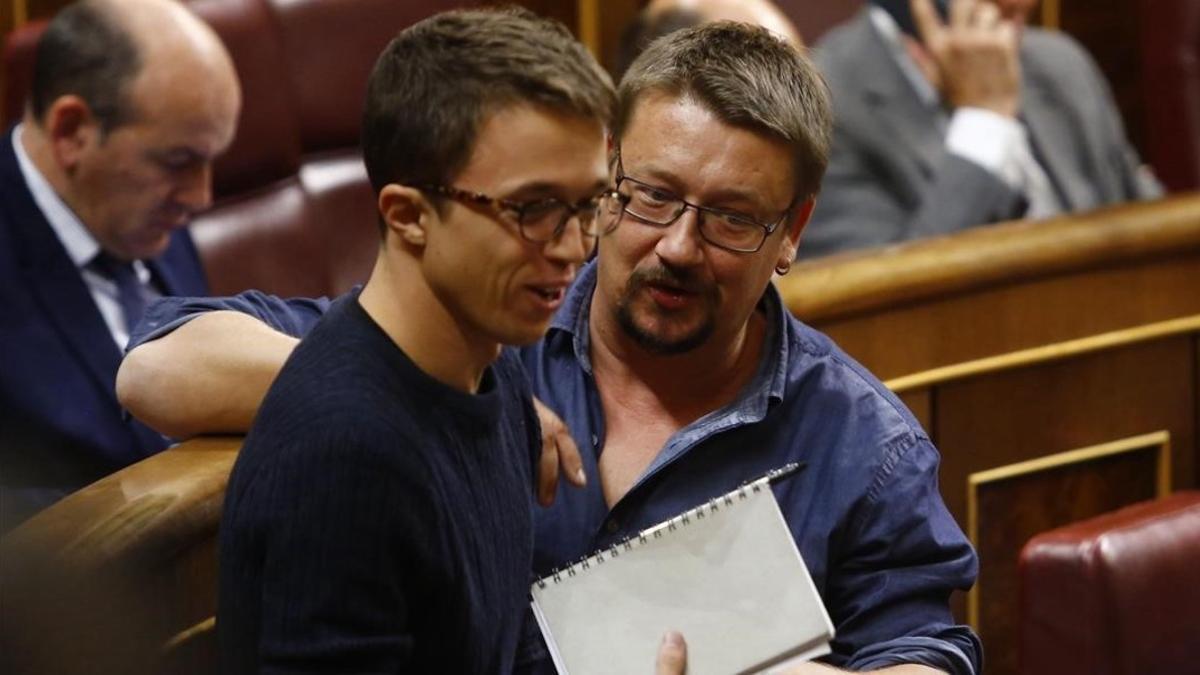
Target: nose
{"type": "Point", "coordinates": [680, 244]}
{"type": "Point", "coordinates": [194, 188]}
{"type": "Point", "coordinates": [571, 245]}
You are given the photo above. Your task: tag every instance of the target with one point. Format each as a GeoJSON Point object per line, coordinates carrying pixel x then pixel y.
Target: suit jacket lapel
{"type": "Point", "coordinates": [165, 278]}
{"type": "Point", "coordinates": [903, 118]}
{"type": "Point", "coordinates": [55, 281]}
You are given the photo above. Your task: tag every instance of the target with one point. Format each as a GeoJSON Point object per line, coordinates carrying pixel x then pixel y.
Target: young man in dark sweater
{"type": "Point", "coordinates": [379, 515]}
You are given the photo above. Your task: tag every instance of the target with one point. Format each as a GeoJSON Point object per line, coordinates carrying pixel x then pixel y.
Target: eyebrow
{"type": "Point", "coordinates": [541, 189]}
{"type": "Point", "coordinates": [724, 194]}
{"type": "Point", "coordinates": [180, 153]}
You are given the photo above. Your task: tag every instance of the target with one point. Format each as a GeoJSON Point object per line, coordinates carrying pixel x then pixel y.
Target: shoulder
{"type": "Point", "coordinates": [340, 374]}
{"type": "Point", "coordinates": [1055, 55]}
{"type": "Point", "coordinates": [346, 426]}
{"type": "Point", "coordinates": [510, 372]}
{"type": "Point", "coordinates": [850, 405]}
{"type": "Point", "coordinates": [843, 44]}
{"type": "Point", "coordinates": [514, 381]}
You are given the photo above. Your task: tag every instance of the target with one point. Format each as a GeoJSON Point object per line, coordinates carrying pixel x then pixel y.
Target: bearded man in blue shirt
{"type": "Point", "coordinates": [673, 360]}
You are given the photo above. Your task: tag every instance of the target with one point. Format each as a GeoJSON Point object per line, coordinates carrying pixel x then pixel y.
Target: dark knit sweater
{"type": "Point", "coordinates": [377, 520]}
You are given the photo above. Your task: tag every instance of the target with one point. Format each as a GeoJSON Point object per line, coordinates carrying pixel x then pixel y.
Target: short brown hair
{"type": "Point", "coordinates": [748, 77]}
{"type": "Point", "coordinates": [434, 83]}
{"type": "Point", "coordinates": [88, 52]}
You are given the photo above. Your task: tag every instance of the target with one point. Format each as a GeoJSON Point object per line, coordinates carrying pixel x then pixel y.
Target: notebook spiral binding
{"type": "Point", "coordinates": [558, 574]}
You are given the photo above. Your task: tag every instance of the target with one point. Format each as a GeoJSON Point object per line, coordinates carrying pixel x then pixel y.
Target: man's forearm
{"type": "Point", "coordinates": [207, 376]}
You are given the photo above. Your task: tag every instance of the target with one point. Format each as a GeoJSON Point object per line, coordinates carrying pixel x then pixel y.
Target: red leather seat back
{"type": "Point", "coordinates": [331, 47]}
{"type": "Point", "coordinates": [267, 145]}
{"type": "Point", "coordinates": [1115, 595]}
{"type": "Point", "coordinates": [19, 48]}
{"type": "Point", "coordinates": [1170, 31]}
{"type": "Point", "coordinates": [313, 234]}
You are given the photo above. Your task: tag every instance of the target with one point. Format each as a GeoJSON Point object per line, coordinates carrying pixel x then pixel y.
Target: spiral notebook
{"type": "Point", "coordinates": [726, 574]}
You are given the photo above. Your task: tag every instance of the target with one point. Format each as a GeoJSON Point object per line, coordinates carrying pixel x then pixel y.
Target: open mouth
{"type": "Point", "coordinates": [670, 297]}
{"type": "Point", "coordinates": [549, 293]}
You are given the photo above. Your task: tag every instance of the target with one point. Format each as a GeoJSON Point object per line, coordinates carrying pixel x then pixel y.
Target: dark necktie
{"type": "Point", "coordinates": [130, 293]}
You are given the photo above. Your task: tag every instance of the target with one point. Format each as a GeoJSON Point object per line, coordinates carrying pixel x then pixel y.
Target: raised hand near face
{"type": "Point", "coordinates": [973, 55]}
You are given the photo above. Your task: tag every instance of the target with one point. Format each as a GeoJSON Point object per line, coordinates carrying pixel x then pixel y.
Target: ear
{"type": "Point", "coordinates": [791, 237]}
{"type": "Point", "coordinates": [71, 128]}
{"type": "Point", "coordinates": [406, 213]}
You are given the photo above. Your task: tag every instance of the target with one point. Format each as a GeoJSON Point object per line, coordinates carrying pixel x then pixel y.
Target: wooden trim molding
{"type": "Point", "coordinates": [1160, 441]}
{"type": "Point", "coordinates": [1006, 254]}
{"type": "Point", "coordinates": [1052, 352]}
{"type": "Point", "coordinates": [185, 636]}
{"type": "Point", "coordinates": [1051, 14]}
{"type": "Point", "coordinates": [20, 12]}
{"type": "Point", "coordinates": [588, 13]}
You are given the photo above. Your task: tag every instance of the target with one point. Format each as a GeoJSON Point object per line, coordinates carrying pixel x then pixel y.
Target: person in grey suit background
{"type": "Point", "coordinates": [980, 119]}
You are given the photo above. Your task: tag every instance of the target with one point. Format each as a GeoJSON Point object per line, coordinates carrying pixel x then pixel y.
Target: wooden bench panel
{"type": "Point", "coordinates": [99, 582]}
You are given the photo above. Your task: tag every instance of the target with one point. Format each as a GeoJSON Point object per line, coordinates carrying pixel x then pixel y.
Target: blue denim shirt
{"type": "Point", "coordinates": [883, 550]}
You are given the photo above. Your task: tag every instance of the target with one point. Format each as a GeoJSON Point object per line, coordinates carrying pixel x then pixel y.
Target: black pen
{"type": "Point", "coordinates": [786, 471]}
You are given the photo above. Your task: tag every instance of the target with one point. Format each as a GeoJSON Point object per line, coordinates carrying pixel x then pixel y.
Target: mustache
{"type": "Point", "coordinates": [667, 276]}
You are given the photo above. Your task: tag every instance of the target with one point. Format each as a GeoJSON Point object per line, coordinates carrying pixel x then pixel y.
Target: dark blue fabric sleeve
{"type": "Point", "coordinates": [903, 558]}
{"type": "Point", "coordinates": [293, 316]}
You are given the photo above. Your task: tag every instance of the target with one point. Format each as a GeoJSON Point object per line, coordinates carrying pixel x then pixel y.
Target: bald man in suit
{"type": "Point", "coordinates": [96, 185]}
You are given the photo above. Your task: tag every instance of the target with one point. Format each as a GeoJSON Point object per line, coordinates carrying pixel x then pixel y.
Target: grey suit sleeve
{"type": "Point", "coordinates": [866, 201]}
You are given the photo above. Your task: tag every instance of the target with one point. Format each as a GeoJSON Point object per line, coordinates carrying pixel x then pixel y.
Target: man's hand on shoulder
{"type": "Point", "coordinates": [558, 450]}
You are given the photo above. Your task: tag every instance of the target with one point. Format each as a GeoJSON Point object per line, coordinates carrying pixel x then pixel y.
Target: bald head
{"type": "Point", "coordinates": [755, 12]}
{"type": "Point", "coordinates": [100, 50]}
{"type": "Point", "coordinates": [661, 17]}
{"type": "Point", "coordinates": [172, 41]}
{"type": "Point", "coordinates": [132, 101]}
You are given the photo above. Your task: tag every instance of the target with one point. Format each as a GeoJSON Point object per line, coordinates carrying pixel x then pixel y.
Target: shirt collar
{"type": "Point", "coordinates": [81, 246]}
{"type": "Point", "coordinates": [571, 326]}
{"type": "Point", "coordinates": [887, 29]}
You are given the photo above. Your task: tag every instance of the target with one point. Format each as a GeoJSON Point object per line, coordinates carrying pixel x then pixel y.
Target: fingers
{"type": "Point", "coordinates": [570, 460]}
{"type": "Point", "coordinates": [961, 12]}
{"type": "Point", "coordinates": [547, 479]}
{"type": "Point", "coordinates": [558, 449]}
{"type": "Point", "coordinates": [672, 655]}
{"type": "Point", "coordinates": [987, 16]}
{"type": "Point", "coordinates": [1008, 32]}
{"type": "Point", "coordinates": [929, 24]}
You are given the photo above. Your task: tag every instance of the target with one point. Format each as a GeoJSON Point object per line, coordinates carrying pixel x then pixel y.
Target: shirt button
{"type": "Point", "coordinates": [612, 526]}
{"type": "Point", "coordinates": [595, 440]}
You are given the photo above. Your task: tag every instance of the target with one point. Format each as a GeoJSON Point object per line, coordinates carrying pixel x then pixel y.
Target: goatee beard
{"type": "Point", "coordinates": [647, 340]}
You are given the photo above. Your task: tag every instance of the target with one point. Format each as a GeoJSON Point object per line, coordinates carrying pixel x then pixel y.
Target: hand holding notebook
{"type": "Point", "coordinates": [726, 574]}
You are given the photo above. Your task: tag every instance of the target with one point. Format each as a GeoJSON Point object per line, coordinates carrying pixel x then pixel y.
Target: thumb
{"type": "Point", "coordinates": [672, 655]}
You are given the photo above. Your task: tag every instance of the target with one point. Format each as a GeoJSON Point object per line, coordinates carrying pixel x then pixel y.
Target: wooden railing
{"type": "Point", "coordinates": [993, 290]}
{"type": "Point", "coordinates": [120, 577]}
